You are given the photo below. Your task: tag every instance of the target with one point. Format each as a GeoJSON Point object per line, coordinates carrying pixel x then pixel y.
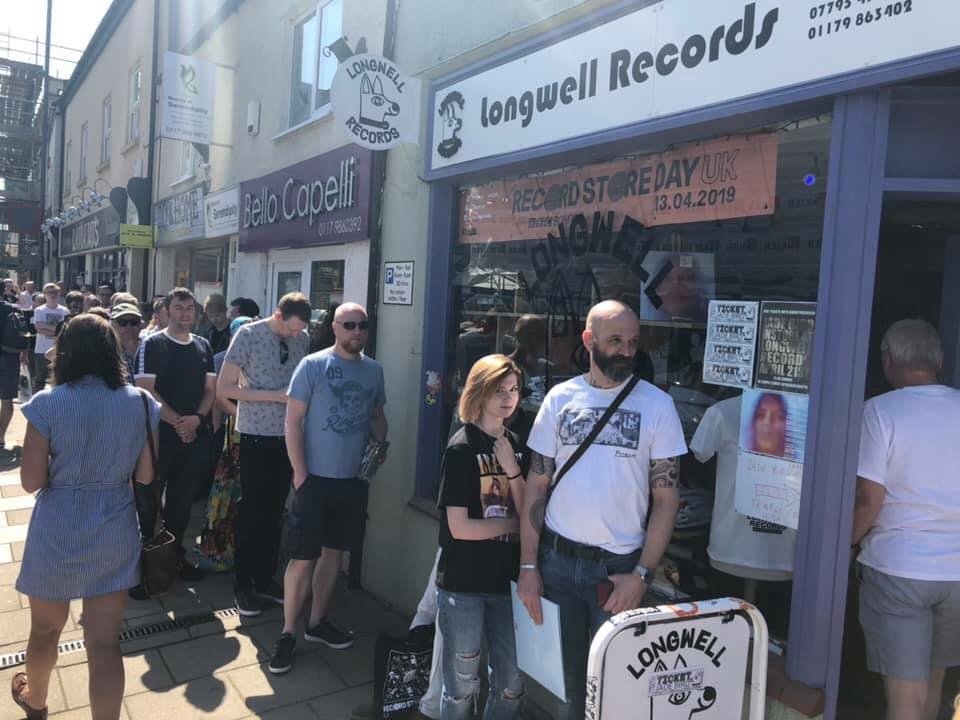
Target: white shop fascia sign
{"type": "Point", "coordinates": [671, 57]}
{"type": "Point", "coordinates": [221, 212]}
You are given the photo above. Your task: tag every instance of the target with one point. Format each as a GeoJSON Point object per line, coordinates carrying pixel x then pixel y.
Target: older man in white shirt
{"type": "Point", "coordinates": [907, 518]}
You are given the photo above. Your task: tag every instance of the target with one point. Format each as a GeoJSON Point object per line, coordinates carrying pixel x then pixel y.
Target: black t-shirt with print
{"type": "Point", "coordinates": [219, 339]}
{"type": "Point", "coordinates": [472, 478]}
{"type": "Point", "coordinates": [179, 369]}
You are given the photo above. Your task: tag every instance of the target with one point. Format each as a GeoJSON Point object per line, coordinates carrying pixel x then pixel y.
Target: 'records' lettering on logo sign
{"type": "Point", "coordinates": [627, 68]}
{"type": "Point", "coordinates": [303, 199]}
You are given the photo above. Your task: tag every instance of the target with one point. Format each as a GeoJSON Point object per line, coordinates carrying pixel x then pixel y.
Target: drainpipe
{"type": "Point", "coordinates": [150, 147]}
{"type": "Point", "coordinates": [379, 179]}
{"type": "Point", "coordinates": [46, 140]}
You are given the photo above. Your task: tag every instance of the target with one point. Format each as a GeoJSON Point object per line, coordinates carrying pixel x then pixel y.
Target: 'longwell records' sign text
{"type": "Point", "coordinates": [674, 56]}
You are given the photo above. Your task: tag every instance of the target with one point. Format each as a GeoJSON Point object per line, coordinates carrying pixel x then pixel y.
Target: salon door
{"type": "Point", "coordinates": [287, 277]}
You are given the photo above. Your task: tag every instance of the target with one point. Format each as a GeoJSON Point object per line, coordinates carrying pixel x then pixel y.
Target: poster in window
{"type": "Point", "coordinates": [698, 182]}
{"type": "Point", "coordinates": [773, 429]}
{"type": "Point", "coordinates": [731, 343]}
{"type": "Point", "coordinates": [785, 352]}
{"type": "Point", "coordinates": [678, 286]}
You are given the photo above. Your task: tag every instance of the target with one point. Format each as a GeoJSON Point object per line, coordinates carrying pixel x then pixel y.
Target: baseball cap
{"type": "Point", "coordinates": [125, 309]}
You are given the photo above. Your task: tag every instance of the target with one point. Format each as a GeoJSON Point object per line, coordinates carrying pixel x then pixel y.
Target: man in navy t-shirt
{"type": "Point", "coordinates": [176, 366]}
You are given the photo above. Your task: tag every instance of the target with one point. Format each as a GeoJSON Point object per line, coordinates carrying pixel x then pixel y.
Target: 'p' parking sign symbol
{"type": "Point", "coordinates": [389, 279]}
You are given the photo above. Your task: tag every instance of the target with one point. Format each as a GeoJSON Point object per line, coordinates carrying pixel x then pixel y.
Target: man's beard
{"type": "Point", "coordinates": [616, 368]}
{"type": "Point", "coordinates": [354, 346]}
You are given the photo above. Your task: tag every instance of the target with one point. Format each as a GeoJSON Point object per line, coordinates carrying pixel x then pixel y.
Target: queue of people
{"type": "Point", "coordinates": [535, 510]}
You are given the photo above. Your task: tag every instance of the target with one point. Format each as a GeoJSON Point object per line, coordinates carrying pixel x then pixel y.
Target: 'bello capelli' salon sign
{"type": "Point", "coordinates": [321, 201]}
{"type": "Point", "coordinates": [670, 57]}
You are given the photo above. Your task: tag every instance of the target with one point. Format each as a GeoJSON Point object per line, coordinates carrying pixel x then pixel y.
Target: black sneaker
{"type": "Point", "coordinates": [191, 573]}
{"type": "Point", "coordinates": [273, 593]}
{"type": "Point", "coordinates": [282, 658]}
{"type": "Point", "coordinates": [329, 634]}
{"type": "Point", "coordinates": [248, 602]}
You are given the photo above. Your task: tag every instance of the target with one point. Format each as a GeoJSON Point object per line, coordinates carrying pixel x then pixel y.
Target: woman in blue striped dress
{"type": "Point", "coordinates": [86, 437]}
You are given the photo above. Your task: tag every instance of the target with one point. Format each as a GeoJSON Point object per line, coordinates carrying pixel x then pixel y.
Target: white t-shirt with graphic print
{"type": "Point", "coordinates": [739, 545]}
{"type": "Point", "coordinates": [604, 499]}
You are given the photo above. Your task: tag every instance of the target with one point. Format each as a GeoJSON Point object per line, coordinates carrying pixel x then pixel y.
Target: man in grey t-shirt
{"type": "Point", "coordinates": [256, 373]}
{"type": "Point", "coordinates": [335, 407]}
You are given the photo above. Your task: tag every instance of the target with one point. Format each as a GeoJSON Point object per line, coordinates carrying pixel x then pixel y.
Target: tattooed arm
{"type": "Point", "coordinates": [665, 489]}
{"type": "Point", "coordinates": [529, 584]}
{"type": "Point", "coordinates": [630, 588]}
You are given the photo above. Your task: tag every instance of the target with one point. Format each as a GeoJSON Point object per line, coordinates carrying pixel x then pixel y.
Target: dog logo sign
{"type": "Point", "coordinates": [450, 124]}
{"type": "Point", "coordinates": [378, 105]}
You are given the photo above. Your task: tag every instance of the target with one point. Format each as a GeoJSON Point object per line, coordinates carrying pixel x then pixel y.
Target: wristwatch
{"type": "Point", "coordinates": [642, 572]}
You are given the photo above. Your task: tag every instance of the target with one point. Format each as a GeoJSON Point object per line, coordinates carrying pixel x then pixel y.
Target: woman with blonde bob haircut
{"type": "Point", "coordinates": [480, 492]}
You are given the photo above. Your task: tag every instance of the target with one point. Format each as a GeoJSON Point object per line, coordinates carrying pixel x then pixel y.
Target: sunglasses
{"type": "Point", "coordinates": [353, 325]}
{"type": "Point", "coordinates": [284, 351]}
{"type": "Point", "coordinates": [128, 322]}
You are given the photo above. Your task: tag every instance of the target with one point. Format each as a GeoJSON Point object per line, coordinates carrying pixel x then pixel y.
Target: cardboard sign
{"type": "Point", "coordinates": [678, 662]}
{"type": "Point", "coordinates": [717, 180]}
{"type": "Point", "coordinates": [731, 342]}
{"type": "Point", "coordinates": [785, 351]}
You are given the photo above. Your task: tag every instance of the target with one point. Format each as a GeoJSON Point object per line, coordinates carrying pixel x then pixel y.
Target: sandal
{"type": "Point", "coordinates": [17, 684]}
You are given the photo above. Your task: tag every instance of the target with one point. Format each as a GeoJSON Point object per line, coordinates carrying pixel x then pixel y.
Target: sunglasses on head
{"type": "Point", "coordinates": [128, 322]}
{"type": "Point", "coordinates": [284, 351]}
{"type": "Point", "coordinates": [353, 325]}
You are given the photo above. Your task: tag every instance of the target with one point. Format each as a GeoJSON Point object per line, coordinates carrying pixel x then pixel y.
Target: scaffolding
{"type": "Point", "coordinates": [21, 153]}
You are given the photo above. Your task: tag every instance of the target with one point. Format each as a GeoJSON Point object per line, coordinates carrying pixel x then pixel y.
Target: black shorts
{"type": "Point", "coordinates": [325, 513]}
{"type": "Point", "coordinates": [9, 375]}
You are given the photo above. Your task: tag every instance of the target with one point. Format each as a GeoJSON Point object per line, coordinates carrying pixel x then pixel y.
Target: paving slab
{"type": "Point", "coordinates": [206, 656]}
{"type": "Point", "coordinates": [17, 549]}
{"type": "Point", "coordinates": [301, 711]}
{"type": "Point", "coordinates": [16, 502]}
{"type": "Point", "coordinates": [9, 571]}
{"type": "Point", "coordinates": [144, 671]}
{"type": "Point", "coordinates": [337, 706]}
{"type": "Point", "coordinates": [83, 714]}
{"type": "Point", "coordinates": [9, 711]}
{"type": "Point", "coordinates": [309, 678]}
{"type": "Point", "coordinates": [15, 626]}
{"type": "Point", "coordinates": [9, 491]}
{"type": "Point", "coordinates": [355, 665]}
{"type": "Point", "coordinates": [18, 517]}
{"type": "Point", "coordinates": [210, 697]}
{"type": "Point", "coordinates": [9, 600]}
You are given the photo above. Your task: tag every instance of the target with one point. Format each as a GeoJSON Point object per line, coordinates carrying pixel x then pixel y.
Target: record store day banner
{"type": "Point", "coordinates": [717, 180]}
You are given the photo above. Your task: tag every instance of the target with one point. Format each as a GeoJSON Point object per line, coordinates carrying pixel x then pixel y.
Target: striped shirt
{"type": "Point", "coordinates": [83, 538]}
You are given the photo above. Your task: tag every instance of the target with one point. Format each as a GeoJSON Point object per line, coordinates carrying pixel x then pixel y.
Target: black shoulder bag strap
{"type": "Point", "coordinates": [594, 432]}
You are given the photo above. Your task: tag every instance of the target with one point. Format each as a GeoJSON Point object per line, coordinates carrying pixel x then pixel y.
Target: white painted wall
{"type": "Point", "coordinates": [434, 38]}
{"type": "Point", "coordinates": [130, 44]}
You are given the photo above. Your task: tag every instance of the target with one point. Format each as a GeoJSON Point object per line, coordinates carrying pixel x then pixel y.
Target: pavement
{"type": "Point", "coordinates": [188, 654]}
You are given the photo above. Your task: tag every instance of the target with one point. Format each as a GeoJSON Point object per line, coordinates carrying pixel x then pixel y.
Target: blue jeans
{"type": "Point", "coordinates": [466, 620]}
{"type": "Point", "coordinates": [572, 584]}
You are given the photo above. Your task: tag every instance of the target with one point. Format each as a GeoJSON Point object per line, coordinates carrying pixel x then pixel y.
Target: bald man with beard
{"type": "Point", "coordinates": [595, 527]}
{"type": "Point", "coordinates": [334, 410]}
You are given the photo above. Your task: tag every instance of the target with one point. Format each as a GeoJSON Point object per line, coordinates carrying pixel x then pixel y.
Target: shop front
{"type": "Point", "coordinates": [91, 252]}
{"type": "Point", "coordinates": [769, 185]}
{"type": "Point", "coordinates": [305, 228]}
{"type": "Point", "coordinates": [186, 256]}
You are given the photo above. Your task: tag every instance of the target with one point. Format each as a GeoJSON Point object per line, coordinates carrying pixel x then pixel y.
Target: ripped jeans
{"type": "Point", "coordinates": [466, 620]}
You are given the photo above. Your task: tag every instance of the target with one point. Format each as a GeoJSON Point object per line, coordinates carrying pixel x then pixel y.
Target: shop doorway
{"type": "Point", "coordinates": [917, 276]}
{"type": "Point", "coordinates": [287, 278]}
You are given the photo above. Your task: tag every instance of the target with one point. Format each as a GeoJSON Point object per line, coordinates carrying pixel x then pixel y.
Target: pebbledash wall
{"type": "Point", "coordinates": [644, 76]}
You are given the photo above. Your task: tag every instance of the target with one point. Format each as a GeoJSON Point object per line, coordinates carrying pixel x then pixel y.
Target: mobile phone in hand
{"type": "Point", "coordinates": [604, 588]}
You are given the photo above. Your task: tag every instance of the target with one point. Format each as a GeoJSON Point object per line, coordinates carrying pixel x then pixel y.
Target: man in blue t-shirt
{"type": "Point", "coordinates": [335, 409]}
{"type": "Point", "coordinates": [176, 367]}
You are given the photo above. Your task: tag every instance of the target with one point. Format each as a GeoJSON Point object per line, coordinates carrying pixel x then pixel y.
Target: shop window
{"type": "Point", "coordinates": [326, 285]}
{"type": "Point", "coordinates": [82, 169]}
{"type": "Point", "coordinates": [67, 174]}
{"type": "Point", "coordinates": [110, 268]}
{"type": "Point", "coordinates": [134, 87]}
{"type": "Point", "coordinates": [313, 65]}
{"type": "Point", "coordinates": [734, 219]}
{"type": "Point", "coordinates": [106, 127]}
